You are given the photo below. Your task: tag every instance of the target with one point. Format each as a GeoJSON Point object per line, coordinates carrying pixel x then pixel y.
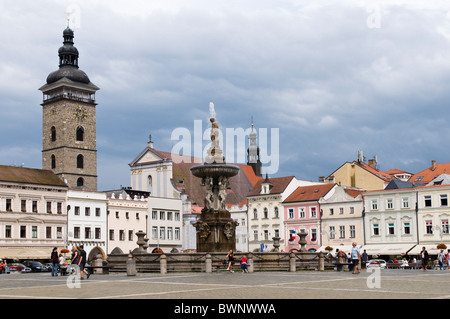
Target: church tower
{"type": "Point", "coordinates": [69, 121]}
{"type": "Point", "coordinates": [253, 153]}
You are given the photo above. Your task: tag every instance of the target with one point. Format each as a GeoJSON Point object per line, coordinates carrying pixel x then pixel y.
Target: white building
{"type": "Point", "coordinates": [86, 222]}
{"type": "Point", "coordinates": [239, 214]}
{"type": "Point", "coordinates": [33, 214]}
{"type": "Point", "coordinates": [127, 215]}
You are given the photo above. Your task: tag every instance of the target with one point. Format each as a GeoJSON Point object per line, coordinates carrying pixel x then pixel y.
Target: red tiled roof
{"type": "Point", "coordinates": [309, 193]}
{"type": "Point", "coordinates": [375, 171]}
{"type": "Point", "coordinates": [29, 176]}
{"type": "Point", "coordinates": [353, 192]}
{"type": "Point", "coordinates": [279, 184]}
{"type": "Point", "coordinates": [429, 174]}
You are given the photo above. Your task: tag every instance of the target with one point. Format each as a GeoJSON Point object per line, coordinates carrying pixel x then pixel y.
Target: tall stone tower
{"type": "Point", "coordinates": [69, 122]}
{"type": "Point", "coordinates": [253, 153]}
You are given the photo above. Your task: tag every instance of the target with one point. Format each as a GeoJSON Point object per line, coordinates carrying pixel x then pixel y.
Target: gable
{"type": "Point", "coordinates": [147, 156]}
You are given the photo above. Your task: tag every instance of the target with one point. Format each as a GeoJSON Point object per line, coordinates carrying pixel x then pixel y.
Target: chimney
{"type": "Point", "coordinates": [433, 165]}
{"type": "Point", "coordinates": [371, 163]}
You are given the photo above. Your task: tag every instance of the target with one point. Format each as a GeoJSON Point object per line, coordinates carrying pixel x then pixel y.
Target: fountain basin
{"type": "Point", "coordinates": [214, 170]}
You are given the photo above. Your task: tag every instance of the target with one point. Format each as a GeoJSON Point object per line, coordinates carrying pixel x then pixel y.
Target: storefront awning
{"type": "Point", "coordinates": [431, 249]}
{"type": "Point", "coordinates": [25, 252]}
{"type": "Point", "coordinates": [387, 249]}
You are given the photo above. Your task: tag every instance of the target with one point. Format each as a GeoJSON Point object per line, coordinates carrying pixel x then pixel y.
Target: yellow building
{"type": "Point", "coordinates": [360, 175]}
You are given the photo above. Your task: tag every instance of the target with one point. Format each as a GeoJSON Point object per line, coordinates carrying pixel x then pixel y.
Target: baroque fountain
{"type": "Point", "coordinates": [215, 227]}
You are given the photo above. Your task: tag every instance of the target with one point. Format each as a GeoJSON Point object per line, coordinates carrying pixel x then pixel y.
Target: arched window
{"type": "Point", "coordinates": [80, 161]}
{"type": "Point", "coordinates": [266, 213]}
{"type": "Point", "coordinates": [53, 130]}
{"type": "Point", "coordinates": [80, 134]}
{"type": "Point", "coordinates": [255, 213]}
{"type": "Point", "coordinates": [53, 161]}
{"type": "Point", "coordinates": [80, 182]}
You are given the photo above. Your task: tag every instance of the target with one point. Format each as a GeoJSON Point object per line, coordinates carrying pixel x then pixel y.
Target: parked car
{"type": "Point", "coordinates": [47, 267]}
{"type": "Point", "coordinates": [376, 263]}
{"type": "Point", "coordinates": [19, 267]}
{"type": "Point", "coordinates": [35, 266]}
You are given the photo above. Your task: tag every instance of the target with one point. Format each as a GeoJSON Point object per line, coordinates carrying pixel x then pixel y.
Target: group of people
{"type": "Point", "coordinates": [231, 260]}
{"type": "Point", "coordinates": [78, 261]}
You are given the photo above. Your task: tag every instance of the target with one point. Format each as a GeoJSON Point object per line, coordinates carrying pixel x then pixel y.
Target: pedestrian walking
{"type": "Point", "coordinates": [244, 264]}
{"type": "Point", "coordinates": [364, 259]}
{"type": "Point", "coordinates": [424, 256]}
{"type": "Point", "coordinates": [448, 259]}
{"type": "Point", "coordinates": [82, 263]}
{"type": "Point", "coordinates": [356, 256]}
{"type": "Point", "coordinates": [441, 259]}
{"type": "Point", "coordinates": [55, 262]}
{"type": "Point", "coordinates": [75, 258]}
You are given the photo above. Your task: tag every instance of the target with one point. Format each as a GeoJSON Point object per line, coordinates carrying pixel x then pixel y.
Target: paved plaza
{"type": "Point", "coordinates": [385, 284]}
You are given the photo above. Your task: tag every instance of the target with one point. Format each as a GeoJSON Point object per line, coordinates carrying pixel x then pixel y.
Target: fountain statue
{"type": "Point", "coordinates": [215, 227]}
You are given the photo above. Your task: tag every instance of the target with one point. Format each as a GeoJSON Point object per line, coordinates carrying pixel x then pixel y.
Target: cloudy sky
{"type": "Point", "coordinates": [332, 77]}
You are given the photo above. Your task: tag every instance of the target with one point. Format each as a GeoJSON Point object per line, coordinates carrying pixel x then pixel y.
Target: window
{"type": "Point", "coordinates": [341, 231]}
{"type": "Point", "coordinates": [23, 205]}
{"type": "Point", "coordinates": [313, 234]}
{"type": "Point", "coordinates": [137, 216]}
{"type": "Point", "coordinates": [9, 205]}
{"type": "Point", "coordinates": [266, 234]}
{"type": "Point", "coordinates": [301, 211]}
{"type": "Point", "coordinates": [277, 232]}
{"type": "Point", "coordinates": [80, 134]}
{"type": "Point", "coordinates": [169, 215]}
{"type": "Point", "coordinates": [177, 216]}
{"type": "Point", "coordinates": [255, 235]}
{"type": "Point", "coordinates": [34, 206]}
{"type": "Point", "coordinates": [34, 232]}
{"type": "Point", "coordinates": [127, 215]}
{"type": "Point", "coordinates": [276, 212]}
{"type": "Point", "coordinates": [169, 233]}
{"type": "Point", "coordinates": [177, 233]}
{"type": "Point", "coordinates": [352, 210]}
{"type": "Point", "coordinates": [53, 159]}
{"type": "Point", "coordinates": [444, 201]}
{"type": "Point", "coordinates": [313, 212]}
{"type": "Point", "coordinates": [97, 212]}
{"type": "Point", "coordinates": [419, 178]}
{"type": "Point", "coordinates": [444, 226]}
{"type": "Point", "coordinates": [7, 231]}
{"type": "Point", "coordinates": [376, 229]}
{"type": "Point", "coordinates": [49, 207]}
{"type": "Point", "coordinates": [162, 233]}
{"type": "Point", "coordinates": [111, 234]}
{"type": "Point", "coordinates": [266, 213]}
{"type": "Point", "coordinates": [291, 213]}
{"type": "Point", "coordinates": [352, 231]}
{"type": "Point", "coordinates": [255, 213]}
{"type": "Point", "coordinates": [331, 232]}
{"type": "Point", "coordinates": [405, 202]}
{"type": "Point", "coordinates": [117, 214]}
{"type": "Point", "coordinates": [154, 215]}
{"type": "Point", "coordinates": [154, 232]}
{"type": "Point", "coordinates": [341, 210]}
{"type": "Point", "coordinates": [80, 161]}
{"type": "Point", "coordinates": [130, 235]}
{"type": "Point", "coordinates": [406, 228]}
{"type": "Point", "coordinates": [162, 215]}
{"type": "Point", "coordinates": [390, 204]}
{"type": "Point", "coordinates": [23, 231]}
{"type": "Point", "coordinates": [76, 232]}
{"type": "Point", "coordinates": [98, 233]}
{"type": "Point", "coordinates": [374, 204]}
{"type": "Point", "coordinates": [391, 229]}
{"type": "Point", "coordinates": [59, 232]}
{"type": "Point", "coordinates": [121, 235]}
{"type": "Point", "coordinates": [80, 182]}
{"type": "Point", "coordinates": [427, 201]}
{"type": "Point", "coordinates": [87, 211]}
{"type": "Point", "coordinates": [59, 208]}
{"type": "Point", "coordinates": [53, 134]}
{"type": "Point", "coordinates": [77, 210]}
{"type": "Point", "coordinates": [87, 232]}
{"type": "Point", "coordinates": [331, 211]}
{"type": "Point", "coordinates": [429, 227]}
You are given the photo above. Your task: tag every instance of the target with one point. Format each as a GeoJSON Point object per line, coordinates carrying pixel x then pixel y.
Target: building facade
{"type": "Point", "coordinates": [33, 216]}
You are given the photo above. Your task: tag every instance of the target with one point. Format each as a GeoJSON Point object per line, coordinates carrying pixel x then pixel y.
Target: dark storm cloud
{"type": "Point", "coordinates": [314, 69]}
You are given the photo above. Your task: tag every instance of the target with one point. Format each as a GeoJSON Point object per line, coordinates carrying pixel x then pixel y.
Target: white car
{"type": "Point", "coordinates": [376, 263]}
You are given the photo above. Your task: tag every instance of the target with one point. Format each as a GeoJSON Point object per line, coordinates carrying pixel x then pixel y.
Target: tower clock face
{"type": "Point", "coordinates": [80, 113]}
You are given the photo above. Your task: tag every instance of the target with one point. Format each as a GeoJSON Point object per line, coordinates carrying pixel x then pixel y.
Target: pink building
{"type": "Point", "coordinates": [302, 212]}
